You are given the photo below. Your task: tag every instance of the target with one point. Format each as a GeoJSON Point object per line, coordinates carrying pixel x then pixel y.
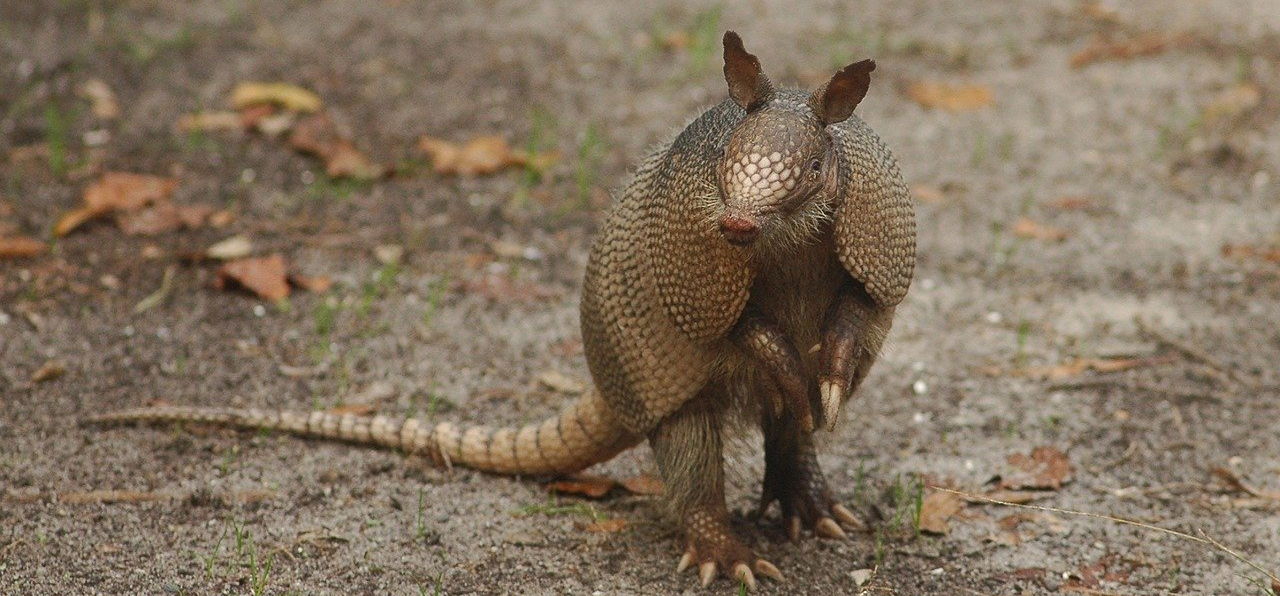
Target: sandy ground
{"type": "Point", "coordinates": [1166, 189]}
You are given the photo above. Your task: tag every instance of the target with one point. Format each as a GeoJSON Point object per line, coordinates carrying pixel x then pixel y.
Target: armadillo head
{"type": "Point", "coordinates": [775, 163]}
{"type": "Point", "coordinates": [779, 163]}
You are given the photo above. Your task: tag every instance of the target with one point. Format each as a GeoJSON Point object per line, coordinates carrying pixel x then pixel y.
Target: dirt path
{"type": "Point", "coordinates": [1133, 175]}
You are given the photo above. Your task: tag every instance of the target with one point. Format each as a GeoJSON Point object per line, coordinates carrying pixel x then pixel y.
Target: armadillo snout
{"type": "Point", "coordinates": [739, 230]}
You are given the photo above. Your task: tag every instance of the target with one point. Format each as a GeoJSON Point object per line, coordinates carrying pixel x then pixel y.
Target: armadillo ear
{"type": "Point", "coordinates": [748, 86]}
{"type": "Point", "coordinates": [834, 102]}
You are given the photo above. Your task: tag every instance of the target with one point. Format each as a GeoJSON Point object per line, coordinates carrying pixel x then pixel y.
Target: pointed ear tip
{"type": "Point", "coordinates": [731, 38]}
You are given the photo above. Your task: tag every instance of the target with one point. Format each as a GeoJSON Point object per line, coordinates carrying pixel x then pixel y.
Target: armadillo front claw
{"type": "Point", "coordinates": [707, 573]}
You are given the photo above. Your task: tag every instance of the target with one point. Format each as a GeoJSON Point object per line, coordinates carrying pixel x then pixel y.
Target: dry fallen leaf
{"type": "Point", "coordinates": [1028, 228]}
{"type": "Point", "coordinates": [18, 247]}
{"type": "Point", "coordinates": [607, 526]}
{"type": "Point", "coordinates": [116, 192]}
{"type": "Point", "coordinates": [1146, 44]}
{"type": "Point", "coordinates": [1046, 468]}
{"type": "Point", "coordinates": [928, 194]}
{"type": "Point", "coordinates": [953, 97]}
{"type": "Point", "coordinates": [102, 101]}
{"type": "Point", "coordinates": [318, 136]}
{"type": "Point", "coordinates": [354, 409]}
{"type": "Point", "coordinates": [592, 487]}
{"type": "Point", "coordinates": [290, 97]}
{"type": "Point", "coordinates": [1232, 102]}
{"type": "Point", "coordinates": [318, 284]}
{"type": "Point", "coordinates": [501, 288]}
{"type": "Point", "coordinates": [48, 372]}
{"type": "Point", "coordinates": [558, 381]}
{"type": "Point", "coordinates": [264, 276]}
{"type": "Point", "coordinates": [479, 156]}
{"type": "Point", "coordinates": [643, 484]}
{"type": "Point", "coordinates": [1073, 203]}
{"type": "Point", "coordinates": [937, 509]}
{"type": "Point", "coordinates": [162, 217]}
{"type": "Point", "coordinates": [210, 121]}
{"type": "Point", "coordinates": [1240, 251]}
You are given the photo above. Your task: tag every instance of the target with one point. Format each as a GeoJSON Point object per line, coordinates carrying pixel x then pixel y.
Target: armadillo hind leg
{"type": "Point", "coordinates": [687, 447]}
{"type": "Point", "coordinates": [793, 478]}
{"type": "Point", "coordinates": [764, 341]}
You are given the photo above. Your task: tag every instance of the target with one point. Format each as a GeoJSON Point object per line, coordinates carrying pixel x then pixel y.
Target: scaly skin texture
{"type": "Point", "coordinates": [749, 271]}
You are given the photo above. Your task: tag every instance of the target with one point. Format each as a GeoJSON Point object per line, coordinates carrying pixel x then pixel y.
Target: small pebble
{"type": "Point", "coordinates": [259, 310]}
{"type": "Point", "coordinates": [919, 387]}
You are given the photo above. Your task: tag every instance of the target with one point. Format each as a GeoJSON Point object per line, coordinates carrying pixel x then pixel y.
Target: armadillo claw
{"type": "Point", "coordinates": [743, 574]}
{"type": "Point", "coordinates": [686, 561]}
{"type": "Point", "coordinates": [832, 394]}
{"type": "Point", "coordinates": [793, 528]}
{"type": "Point", "coordinates": [828, 528]}
{"type": "Point", "coordinates": [706, 573]}
{"type": "Point", "coordinates": [768, 570]}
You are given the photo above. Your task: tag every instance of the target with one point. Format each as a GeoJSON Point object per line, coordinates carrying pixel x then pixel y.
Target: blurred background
{"type": "Point", "coordinates": [385, 207]}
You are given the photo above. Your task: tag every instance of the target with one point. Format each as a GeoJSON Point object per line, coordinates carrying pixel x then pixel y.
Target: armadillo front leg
{"type": "Point", "coordinates": [852, 333]}
{"type": "Point", "coordinates": [687, 447]}
{"type": "Point", "coordinates": [765, 342]}
{"type": "Point", "coordinates": [792, 477]}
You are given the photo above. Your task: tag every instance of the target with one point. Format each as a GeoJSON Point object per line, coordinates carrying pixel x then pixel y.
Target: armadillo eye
{"type": "Point", "coordinates": [816, 165]}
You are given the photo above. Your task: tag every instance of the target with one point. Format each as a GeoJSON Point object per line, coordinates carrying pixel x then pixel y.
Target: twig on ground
{"type": "Point", "coordinates": [1193, 352]}
{"type": "Point", "coordinates": [1215, 397]}
{"type": "Point", "coordinates": [1202, 539]}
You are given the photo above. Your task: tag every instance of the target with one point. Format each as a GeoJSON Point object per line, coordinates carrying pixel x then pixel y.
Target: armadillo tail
{"type": "Point", "coordinates": [581, 435]}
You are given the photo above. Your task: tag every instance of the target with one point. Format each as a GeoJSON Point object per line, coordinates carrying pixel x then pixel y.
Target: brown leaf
{"type": "Point", "coordinates": [264, 276]}
{"type": "Point", "coordinates": [1027, 228]}
{"type": "Point", "coordinates": [608, 526]}
{"type": "Point", "coordinates": [643, 484]}
{"type": "Point", "coordinates": [19, 247]}
{"type": "Point", "coordinates": [928, 194]}
{"type": "Point", "coordinates": [1073, 203]}
{"type": "Point", "coordinates": [354, 409]}
{"type": "Point", "coordinates": [558, 381]}
{"type": "Point", "coordinates": [937, 509]}
{"type": "Point", "coordinates": [211, 121]}
{"type": "Point", "coordinates": [116, 192]}
{"type": "Point", "coordinates": [501, 288]}
{"type": "Point", "coordinates": [1232, 102]}
{"type": "Point", "coordinates": [48, 372]}
{"type": "Point", "coordinates": [102, 101]}
{"type": "Point", "coordinates": [592, 487]}
{"type": "Point", "coordinates": [74, 219]}
{"type": "Point", "coordinates": [479, 156]}
{"type": "Point", "coordinates": [1146, 44]}
{"type": "Point", "coordinates": [952, 97]}
{"type": "Point", "coordinates": [290, 97]}
{"type": "Point", "coordinates": [124, 191]}
{"type": "Point", "coordinates": [317, 135]}
{"type": "Point", "coordinates": [1242, 251]}
{"type": "Point", "coordinates": [318, 284]}
{"type": "Point", "coordinates": [1046, 468]}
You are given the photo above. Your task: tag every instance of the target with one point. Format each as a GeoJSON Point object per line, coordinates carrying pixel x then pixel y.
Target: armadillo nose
{"type": "Point", "coordinates": [739, 230]}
